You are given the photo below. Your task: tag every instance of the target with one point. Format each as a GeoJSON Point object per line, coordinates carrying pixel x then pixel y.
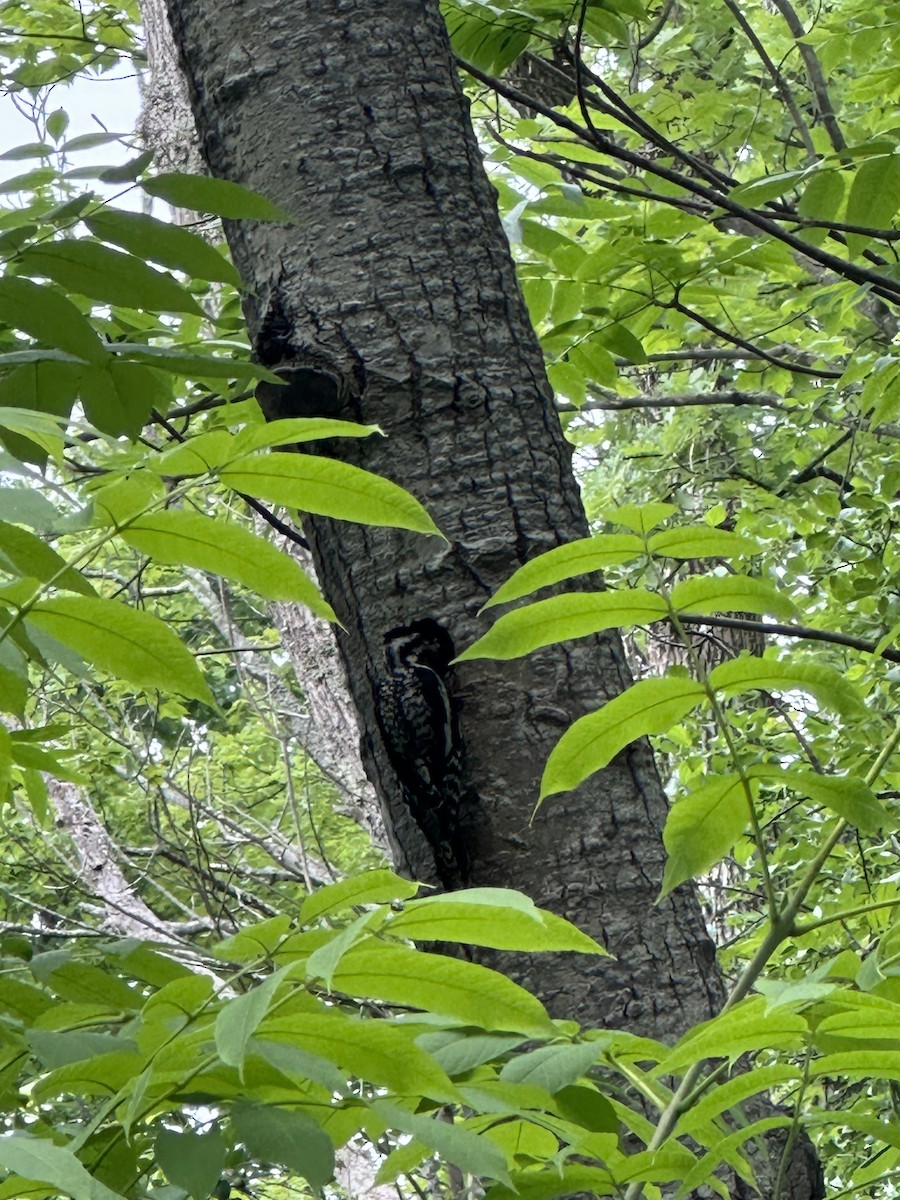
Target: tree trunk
{"type": "Point", "coordinates": [395, 291]}
{"type": "Point", "coordinates": [397, 281]}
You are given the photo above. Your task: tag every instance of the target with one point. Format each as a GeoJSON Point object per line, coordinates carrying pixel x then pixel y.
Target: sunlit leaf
{"type": "Point", "coordinates": [701, 541]}
{"type": "Point", "coordinates": [484, 917]}
{"type": "Point", "coordinates": [702, 827]}
{"type": "Point", "coordinates": [747, 673]}
{"type": "Point", "coordinates": [574, 615]}
{"type": "Point", "coordinates": [650, 706]}
{"type": "Point", "coordinates": [328, 488]}
{"type": "Point", "coordinates": [565, 562]}
{"type": "Point", "coordinates": [128, 643]}
{"type": "Point", "coordinates": [704, 594]}
{"type": "Point", "coordinates": [450, 987]}
{"type": "Point", "coordinates": [225, 548]}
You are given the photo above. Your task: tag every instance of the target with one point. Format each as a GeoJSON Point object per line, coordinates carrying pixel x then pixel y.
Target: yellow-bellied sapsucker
{"type": "Point", "coordinates": [419, 717]}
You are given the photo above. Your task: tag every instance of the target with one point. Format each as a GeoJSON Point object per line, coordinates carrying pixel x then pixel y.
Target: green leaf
{"type": "Point", "coordinates": [205, 194]}
{"type": "Point", "coordinates": [450, 987]}
{"type": "Point", "coordinates": [298, 429]}
{"type": "Point", "coordinates": [30, 555]}
{"type": "Point", "coordinates": [702, 827]}
{"type": "Point", "coordinates": [22, 999]}
{"type": "Point", "coordinates": [700, 541]}
{"type": "Point", "coordinates": [328, 488]}
{"type": "Point", "coordinates": [874, 198]}
{"type": "Point", "coordinates": [723, 1151]}
{"type": "Point", "coordinates": [118, 397]}
{"type": "Point", "coordinates": [651, 706]}
{"type": "Point", "coordinates": [641, 518]}
{"type": "Point", "coordinates": [289, 1139]}
{"type": "Point", "coordinates": [40, 1160]}
{"type": "Point", "coordinates": [28, 150]}
{"type": "Point", "coordinates": [484, 917]}
{"type": "Point", "coordinates": [574, 615]}
{"type": "Point", "coordinates": [130, 644]}
{"type": "Point", "coordinates": [83, 983]}
{"type": "Point", "coordinates": [162, 242]}
{"type": "Point", "coordinates": [57, 123]}
{"type": "Point", "coordinates": [46, 315]}
{"type": "Point", "coordinates": [458, 1052]}
{"type": "Point", "coordinates": [322, 963]}
{"type": "Point", "coordinates": [732, 1092]}
{"type": "Point", "coordinates": [33, 180]}
{"type": "Point", "coordinates": [586, 1107]}
{"type": "Point", "coordinates": [190, 1160]}
{"type": "Point", "coordinates": [369, 887]}
{"type": "Point", "coordinates": [552, 1067]}
{"type": "Point", "coordinates": [56, 1048]}
{"type": "Point", "coordinates": [822, 195]}
{"type": "Point", "coordinates": [96, 271]}
{"type": "Point", "coordinates": [240, 1016]}
{"type": "Point", "coordinates": [620, 340]}
{"type": "Point", "coordinates": [758, 191]}
{"type": "Point", "coordinates": [291, 1060]}
{"type": "Point", "coordinates": [182, 538]}
{"type": "Point", "coordinates": [41, 428]}
{"type": "Point", "coordinates": [376, 1051]}
{"type": "Point", "coordinates": [195, 366]}
{"type": "Point", "coordinates": [127, 172]}
{"type": "Point", "coordinates": [750, 1025]}
{"type": "Point", "coordinates": [28, 507]}
{"type": "Point", "coordinates": [564, 562]}
{"type": "Point", "coordinates": [704, 594]}
{"type": "Point", "coordinates": [574, 1178]}
{"type": "Point", "coordinates": [89, 141]}
{"type": "Point", "coordinates": [465, 1149]}
{"type": "Point", "coordinates": [99, 1075]}
{"type": "Point", "coordinates": [747, 673]}
{"type": "Point", "coordinates": [846, 795]}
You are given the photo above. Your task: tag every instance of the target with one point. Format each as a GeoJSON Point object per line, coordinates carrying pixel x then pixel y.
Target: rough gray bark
{"type": "Point", "coordinates": [166, 123]}
{"type": "Point", "coordinates": [97, 869]}
{"type": "Point", "coordinates": [397, 281]}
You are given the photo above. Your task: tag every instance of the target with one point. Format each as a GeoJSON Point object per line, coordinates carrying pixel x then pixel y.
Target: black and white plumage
{"type": "Point", "coordinates": [420, 722]}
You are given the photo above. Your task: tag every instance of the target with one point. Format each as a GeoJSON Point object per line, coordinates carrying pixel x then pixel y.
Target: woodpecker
{"type": "Point", "coordinates": [419, 717]}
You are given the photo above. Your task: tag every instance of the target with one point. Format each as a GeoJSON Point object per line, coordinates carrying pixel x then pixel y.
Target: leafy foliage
{"type": "Point", "coordinates": [703, 212]}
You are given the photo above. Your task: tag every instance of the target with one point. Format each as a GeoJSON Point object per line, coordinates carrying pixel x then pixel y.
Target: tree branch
{"type": "Point", "coordinates": [805, 632]}
{"type": "Point", "coordinates": [682, 400]}
{"type": "Point", "coordinates": [814, 73]}
{"type": "Point", "coordinates": [888, 289]}
{"type": "Point", "coordinates": [777, 78]}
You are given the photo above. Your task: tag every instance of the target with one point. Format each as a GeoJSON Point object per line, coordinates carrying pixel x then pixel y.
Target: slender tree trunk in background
{"type": "Point", "coordinates": [396, 280]}
{"type": "Point", "coordinates": [327, 727]}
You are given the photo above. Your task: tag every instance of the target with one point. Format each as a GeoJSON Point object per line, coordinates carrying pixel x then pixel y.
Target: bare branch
{"type": "Point", "coordinates": [814, 72]}
{"type": "Point", "coordinates": [682, 400]}
{"type": "Point", "coordinates": [777, 78]}
{"type": "Point", "coordinates": [805, 632]}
